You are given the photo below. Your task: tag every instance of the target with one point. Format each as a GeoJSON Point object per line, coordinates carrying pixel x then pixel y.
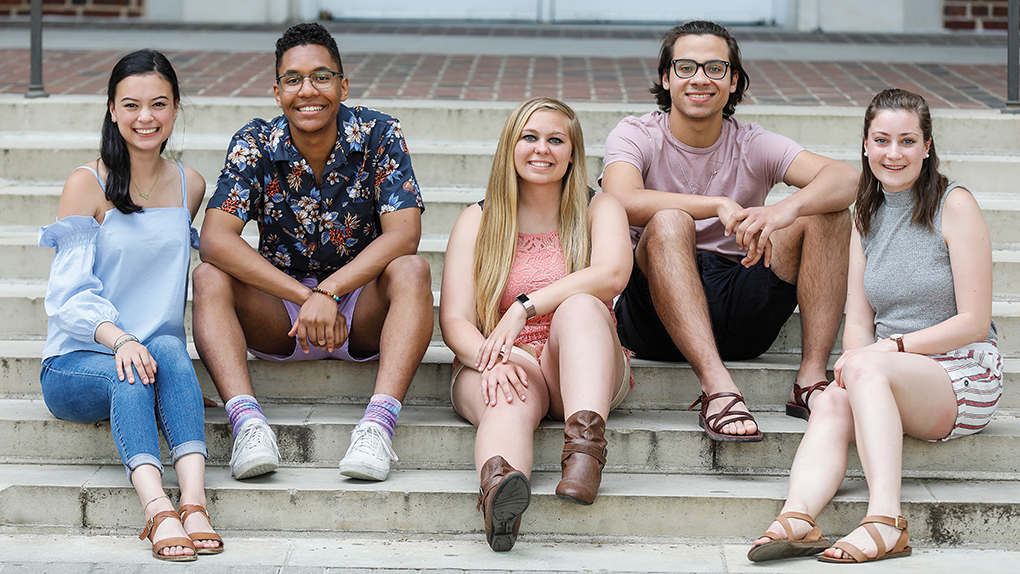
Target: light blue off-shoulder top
{"type": "Point", "coordinates": [132, 271]}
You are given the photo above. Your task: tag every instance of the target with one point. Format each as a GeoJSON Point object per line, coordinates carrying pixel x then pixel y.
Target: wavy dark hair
{"type": "Point", "coordinates": [307, 33]}
{"type": "Point", "coordinates": [927, 190]}
{"type": "Point", "coordinates": [112, 147]}
{"type": "Point", "coordinates": [700, 28]}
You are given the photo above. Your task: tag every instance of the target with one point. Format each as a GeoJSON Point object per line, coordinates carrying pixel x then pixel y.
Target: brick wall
{"type": "Point", "coordinates": [975, 14]}
{"type": "Point", "coordinates": [102, 8]}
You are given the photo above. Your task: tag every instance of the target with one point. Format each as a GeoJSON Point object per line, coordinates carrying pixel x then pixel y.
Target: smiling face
{"type": "Point", "coordinates": [144, 110]}
{"type": "Point", "coordinates": [699, 97]}
{"type": "Point", "coordinates": [310, 110]}
{"type": "Point", "coordinates": [896, 149]}
{"type": "Point", "coordinates": [542, 153]}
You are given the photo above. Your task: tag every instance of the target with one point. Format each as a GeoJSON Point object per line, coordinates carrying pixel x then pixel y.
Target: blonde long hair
{"type": "Point", "coordinates": [497, 232]}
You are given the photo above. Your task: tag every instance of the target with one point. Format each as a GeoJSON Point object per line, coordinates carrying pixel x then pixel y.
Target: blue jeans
{"type": "Point", "coordinates": [82, 387]}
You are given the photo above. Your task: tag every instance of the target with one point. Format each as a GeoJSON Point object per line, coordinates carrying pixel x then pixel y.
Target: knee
{"type": "Point", "coordinates": [669, 226]}
{"type": "Point", "coordinates": [167, 348]}
{"type": "Point", "coordinates": [833, 404]}
{"type": "Point", "coordinates": [409, 272]}
{"type": "Point", "coordinates": [580, 305]}
{"type": "Point", "coordinates": [860, 372]}
{"type": "Point", "coordinates": [208, 278]}
{"type": "Point", "coordinates": [834, 225]}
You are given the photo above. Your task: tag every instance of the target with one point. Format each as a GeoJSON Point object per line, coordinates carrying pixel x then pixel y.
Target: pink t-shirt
{"type": "Point", "coordinates": [747, 161]}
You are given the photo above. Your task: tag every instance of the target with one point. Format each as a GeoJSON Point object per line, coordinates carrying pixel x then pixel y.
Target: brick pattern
{"type": "Point", "coordinates": [975, 15]}
{"type": "Point", "coordinates": [515, 78]}
{"type": "Point", "coordinates": [99, 8]}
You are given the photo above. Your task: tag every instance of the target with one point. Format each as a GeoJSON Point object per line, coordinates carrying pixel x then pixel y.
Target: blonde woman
{"type": "Point", "coordinates": [528, 281]}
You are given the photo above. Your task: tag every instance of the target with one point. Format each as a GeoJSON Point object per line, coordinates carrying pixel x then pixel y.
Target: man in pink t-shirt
{"type": "Point", "coordinates": [716, 273]}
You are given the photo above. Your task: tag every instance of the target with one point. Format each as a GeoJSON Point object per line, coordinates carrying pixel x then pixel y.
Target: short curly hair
{"type": "Point", "coordinates": [699, 28]}
{"type": "Point", "coordinates": [307, 33]}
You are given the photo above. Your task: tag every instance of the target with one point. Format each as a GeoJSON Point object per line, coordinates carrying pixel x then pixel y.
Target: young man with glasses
{"type": "Point", "coordinates": [716, 272]}
{"type": "Point", "coordinates": [336, 273]}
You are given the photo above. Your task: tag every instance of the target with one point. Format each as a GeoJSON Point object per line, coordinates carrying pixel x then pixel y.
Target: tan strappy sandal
{"type": "Point", "coordinates": [187, 509]}
{"type": "Point", "coordinates": [157, 547]}
{"type": "Point", "coordinates": [789, 547]}
{"type": "Point", "coordinates": [853, 554]}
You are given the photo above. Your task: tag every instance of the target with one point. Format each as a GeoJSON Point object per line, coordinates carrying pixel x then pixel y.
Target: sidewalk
{"type": "Point", "coordinates": [62, 554]}
{"type": "Point", "coordinates": [612, 64]}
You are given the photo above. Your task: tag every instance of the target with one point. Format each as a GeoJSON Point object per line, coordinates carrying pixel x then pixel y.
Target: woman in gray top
{"type": "Point", "coordinates": [919, 353]}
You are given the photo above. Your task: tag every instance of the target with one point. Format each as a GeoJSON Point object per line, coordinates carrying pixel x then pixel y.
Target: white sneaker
{"type": "Point", "coordinates": [369, 455]}
{"type": "Point", "coordinates": [255, 450]}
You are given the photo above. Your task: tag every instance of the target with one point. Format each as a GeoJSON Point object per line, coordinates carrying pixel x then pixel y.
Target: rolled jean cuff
{"type": "Point", "coordinates": [140, 459]}
{"type": "Point", "coordinates": [190, 447]}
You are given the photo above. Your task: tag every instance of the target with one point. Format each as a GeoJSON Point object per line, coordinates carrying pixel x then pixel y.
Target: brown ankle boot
{"type": "Point", "coordinates": [503, 497]}
{"type": "Point", "coordinates": [584, 455]}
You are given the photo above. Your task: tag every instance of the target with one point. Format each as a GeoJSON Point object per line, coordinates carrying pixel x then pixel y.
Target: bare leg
{"type": "Point", "coordinates": [820, 464]}
{"type": "Point", "coordinates": [892, 393]}
{"type": "Point", "coordinates": [190, 470]}
{"type": "Point", "coordinates": [508, 428]}
{"type": "Point", "coordinates": [148, 484]}
{"type": "Point", "coordinates": [582, 362]}
{"type": "Point", "coordinates": [229, 317]}
{"type": "Point", "coordinates": [813, 254]}
{"type": "Point", "coordinates": [666, 255]}
{"type": "Point", "coordinates": [394, 317]}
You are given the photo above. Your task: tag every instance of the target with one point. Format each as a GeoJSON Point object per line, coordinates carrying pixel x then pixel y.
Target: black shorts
{"type": "Point", "coordinates": [748, 307]}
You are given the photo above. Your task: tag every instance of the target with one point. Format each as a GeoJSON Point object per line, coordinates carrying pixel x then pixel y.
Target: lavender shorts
{"type": "Point", "coordinates": [345, 308]}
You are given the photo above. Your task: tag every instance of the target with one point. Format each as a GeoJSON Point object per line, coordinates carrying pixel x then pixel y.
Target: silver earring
{"type": "Point", "coordinates": [865, 153]}
{"type": "Point", "coordinates": [925, 156]}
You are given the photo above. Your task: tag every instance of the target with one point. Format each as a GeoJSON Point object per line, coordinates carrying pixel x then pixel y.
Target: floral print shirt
{"type": "Point", "coordinates": [307, 229]}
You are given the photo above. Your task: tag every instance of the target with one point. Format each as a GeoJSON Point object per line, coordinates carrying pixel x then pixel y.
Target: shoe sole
{"type": "Point", "coordinates": [509, 502]}
{"type": "Point", "coordinates": [364, 472]}
{"type": "Point", "coordinates": [255, 467]}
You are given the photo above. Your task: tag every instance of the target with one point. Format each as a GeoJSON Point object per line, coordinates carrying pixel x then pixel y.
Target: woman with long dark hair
{"type": "Point", "coordinates": [529, 276]}
{"type": "Point", "coordinates": [919, 345]}
{"type": "Point", "coordinates": [115, 346]}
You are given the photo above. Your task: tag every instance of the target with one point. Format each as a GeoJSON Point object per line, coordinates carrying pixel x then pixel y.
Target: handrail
{"type": "Point", "coordinates": [35, 86]}
{"type": "Point", "coordinates": [1013, 58]}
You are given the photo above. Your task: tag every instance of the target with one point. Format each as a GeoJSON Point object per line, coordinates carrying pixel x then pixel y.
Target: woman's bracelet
{"type": "Point", "coordinates": [125, 338]}
{"type": "Point", "coordinates": [326, 293]}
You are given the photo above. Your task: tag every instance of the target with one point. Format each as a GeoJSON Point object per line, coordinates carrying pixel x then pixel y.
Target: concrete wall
{"type": "Point", "coordinates": [869, 15]}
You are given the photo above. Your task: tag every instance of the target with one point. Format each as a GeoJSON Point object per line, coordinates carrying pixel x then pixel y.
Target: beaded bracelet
{"type": "Point", "coordinates": [326, 293]}
{"type": "Point", "coordinates": [126, 339]}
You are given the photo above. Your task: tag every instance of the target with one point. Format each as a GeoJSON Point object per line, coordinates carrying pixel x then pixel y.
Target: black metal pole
{"type": "Point", "coordinates": [35, 86]}
{"type": "Point", "coordinates": [1013, 58]}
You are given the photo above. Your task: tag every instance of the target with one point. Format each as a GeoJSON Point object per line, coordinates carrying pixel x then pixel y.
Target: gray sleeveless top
{"type": "Point", "coordinates": [908, 278]}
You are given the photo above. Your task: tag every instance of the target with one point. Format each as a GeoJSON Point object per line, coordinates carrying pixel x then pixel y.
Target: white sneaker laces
{"type": "Point", "coordinates": [369, 439]}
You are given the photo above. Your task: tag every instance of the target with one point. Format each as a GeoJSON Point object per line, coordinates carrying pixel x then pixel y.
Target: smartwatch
{"type": "Point", "coordinates": [528, 305]}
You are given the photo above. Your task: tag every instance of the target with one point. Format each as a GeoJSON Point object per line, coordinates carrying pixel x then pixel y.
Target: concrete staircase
{"type": "Point", "coordinates": [664, 480]}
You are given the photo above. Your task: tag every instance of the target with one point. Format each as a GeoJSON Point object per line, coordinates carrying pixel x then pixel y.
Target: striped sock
{"type": "Point", "coordinates": [242, 408]}
{"type": "Point", "coordinates": [382, 410]}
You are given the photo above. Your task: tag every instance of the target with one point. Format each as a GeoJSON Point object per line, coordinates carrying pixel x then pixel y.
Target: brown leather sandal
{"type": "Point", "coordinates": [801, 396]}
{"type": "Point", "coordinates": [157, 547]}
{"type": "Point", "coordinates": [853, 554]}
{"type": "Point", "coordinates": [789, 547]}
{"type": "Point", "coordinates": [713, 424]}
{"type": "Point", "coordinates": [187, 509]}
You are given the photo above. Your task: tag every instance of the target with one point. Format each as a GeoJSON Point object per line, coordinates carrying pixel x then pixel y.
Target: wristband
{"type": "Point", "coordinates": [124, 339]}
{"type": "Point", "coordinates": [326, 293]}
{"type": "Point", "coordinates": [524, 300]}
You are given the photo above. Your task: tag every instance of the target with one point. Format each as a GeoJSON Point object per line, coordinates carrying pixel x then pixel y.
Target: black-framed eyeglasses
{"type": "Point", "coordinates": [714, 69]}
{"type": "Point", "coordinates": [321, 80]}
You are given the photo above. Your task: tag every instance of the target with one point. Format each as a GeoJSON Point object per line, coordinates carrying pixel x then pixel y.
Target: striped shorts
{"type": "Point", "coordinates": [976, 372]}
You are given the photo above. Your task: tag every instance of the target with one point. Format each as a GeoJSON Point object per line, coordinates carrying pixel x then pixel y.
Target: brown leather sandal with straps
{"type": "Point", "coordinates": [801, 396]}
{"type": "Point", "coordinates": [853, 554]}
{"type": "Point", "coordinates": [789, 547]}
{"type": "Point", "coordinates": [157, 547]}
{"type": "Point", "coordinates": [713, 424]}
{"type": "Point", "coordinates": [187, 509]}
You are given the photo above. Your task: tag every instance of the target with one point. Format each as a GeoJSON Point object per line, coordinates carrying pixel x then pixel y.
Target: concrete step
{"type": "Point", "coordinates": [437, 162]}
{"type": "Point", "coordinates": [22, 302]}
{"type": "Point", "coordinates": [960, 130]}
{"type": "Point", "coordinates": [765, 381]}
{"type": "Point", "coordinates": [640, 441]}
{"type": "Point", "coordinates": [414, 502]}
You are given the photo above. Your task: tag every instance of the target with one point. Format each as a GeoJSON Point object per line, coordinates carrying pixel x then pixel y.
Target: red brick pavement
{"type": "Point", "coordinates": [513, 78]}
